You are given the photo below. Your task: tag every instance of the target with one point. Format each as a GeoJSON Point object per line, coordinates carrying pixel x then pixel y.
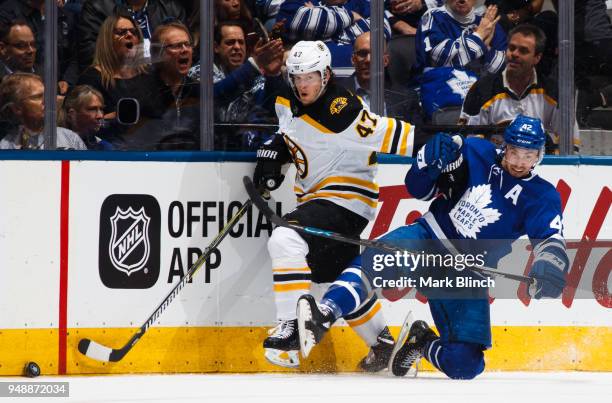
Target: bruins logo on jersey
{"type": "Point", "coordinates": [337, 105]}
{"type": "Point", "coordinates": [298, 156]}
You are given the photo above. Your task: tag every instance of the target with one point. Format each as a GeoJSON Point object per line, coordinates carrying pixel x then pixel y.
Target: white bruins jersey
{"type": "Point", "coordinates": [333, 144]}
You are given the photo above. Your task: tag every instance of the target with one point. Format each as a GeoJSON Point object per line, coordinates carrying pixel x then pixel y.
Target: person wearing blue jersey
{"type": "Point", "coordinates": [336, 22]}
{"type": "Point", "coordinates": [479, 194]}
{"type": "Point", "coordinates": [454, 46]}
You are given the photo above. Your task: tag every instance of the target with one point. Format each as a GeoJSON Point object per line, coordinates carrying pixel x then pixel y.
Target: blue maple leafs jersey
{"type": "Point", "coordinates": [451, 55]}
{"type": "Point", "coordinates": [443, 41]}
{"type": "Point", "coordinates": [493, 205]}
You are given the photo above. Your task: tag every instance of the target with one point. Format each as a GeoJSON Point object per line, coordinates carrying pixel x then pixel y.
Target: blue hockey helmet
{"type": "Point", "coordinates": [526, 132]}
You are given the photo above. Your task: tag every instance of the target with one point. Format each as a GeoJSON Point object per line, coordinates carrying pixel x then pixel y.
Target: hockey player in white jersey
{"type": "Point", "coordinates": [332, 139]}
{"type": "Point", "coordinates": [480, 195]}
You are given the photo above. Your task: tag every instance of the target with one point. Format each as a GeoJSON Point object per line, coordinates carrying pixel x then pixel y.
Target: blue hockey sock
{"type": "Point", "coordinates": [457, 360]}
{"type": "Point", "coordinates": [346, 293]}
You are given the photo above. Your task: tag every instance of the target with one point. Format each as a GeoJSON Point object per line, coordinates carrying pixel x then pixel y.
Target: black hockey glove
{"type": "Point", "coordinates": [270, 159]}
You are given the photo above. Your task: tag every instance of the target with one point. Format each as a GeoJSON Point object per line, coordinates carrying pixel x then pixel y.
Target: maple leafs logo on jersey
{"type": "Point", "coordinates": [471, 213]}
{"type": "Point", "coordinates": [461, 82]}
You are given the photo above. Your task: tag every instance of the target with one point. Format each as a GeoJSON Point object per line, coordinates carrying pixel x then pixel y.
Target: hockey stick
{"type": "Point", "coordinates": [99, 352]}
{"type": "Point", "coordinates": [262, 206]}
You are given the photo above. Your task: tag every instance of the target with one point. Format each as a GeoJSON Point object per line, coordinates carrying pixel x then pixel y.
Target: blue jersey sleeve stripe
{"type": "Point", "coordinates": [474, 47]}
{"type": "Point", "coordinates": [320, 25]}
{"type": "Point", "coordinates": [440, 53]}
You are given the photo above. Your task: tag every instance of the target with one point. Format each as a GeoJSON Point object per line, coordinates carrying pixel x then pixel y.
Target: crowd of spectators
{"type": "Point", "coordinates": [446, 62]}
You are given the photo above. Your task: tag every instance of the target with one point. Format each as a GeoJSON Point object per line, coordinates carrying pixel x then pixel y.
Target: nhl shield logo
{"type": "Point", "coordinates": [129, 241]}
{"type": "Point", "coordinates": [129, 246]}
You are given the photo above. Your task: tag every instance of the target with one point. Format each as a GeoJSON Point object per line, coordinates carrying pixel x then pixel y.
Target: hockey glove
{"type": "Point", "coordinates": [270, 158]}
{"type": "Point", "coordinates": [438, 152]}
{"type": "Point", "coordinates": [549, 270]}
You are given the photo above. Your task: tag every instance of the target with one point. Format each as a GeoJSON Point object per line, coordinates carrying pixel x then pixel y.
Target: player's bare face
{"type": "Point", "coordinates": [519, 161]}
{"type": "Point", "coordinates": [461, 7]}
{"type": "Point", "coordinates": [307, 87]}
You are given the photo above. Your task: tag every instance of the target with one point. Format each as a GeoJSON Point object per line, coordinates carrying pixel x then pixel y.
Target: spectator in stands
{"type": "Point", "coordinates": [32, 12]}
{"type": "Point", "coordinates": [243, 84]}
{"type": "Point", "coordinates": [400, 103]}
{"type": "Point", "coordinates": [176, 57]}
{"type": "Point", "coordinates": [82, 112]}
{"type": "Point", "coordinates": [336, 22]}
{"type": "Point", "coordinates": [405, 14]}
{"type": "Point", "coordinates": [267, 11]}
{"type": "Point", "coordinates": [17, 49]}
{"type": "Point", "coordinates": [118, 72]}
{"type": "Point", "coordinates": [148, 14]}
{"type": "Point", "coordinates": [454, 46]}
{"type": "Point", "coordinates": [22, 103]}
{"type": "Point", "coordinates": [178, 96]}
{"type": "Point", "coordinates": [518, 89]}
{"type": "Point", "coordinates": [117, 69]}
{"type": "Point", "coordinates": [515, 12]}
{"type": "Point", "coordinates": [234, 10]}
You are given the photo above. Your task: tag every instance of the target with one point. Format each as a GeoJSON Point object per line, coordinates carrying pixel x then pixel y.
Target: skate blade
{"type": "Point", "coordinates": [403, 335]}
{"type": "Point", "coordinates": [286, 359]}
{"type": "Point", "coordinates": [414, 370]}
{"type": "Point", "coordinates": [307, 338]}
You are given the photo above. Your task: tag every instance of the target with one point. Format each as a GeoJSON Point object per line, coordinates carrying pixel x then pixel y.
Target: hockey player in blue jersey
{"type": "Point", "coordinates": [466, 178]}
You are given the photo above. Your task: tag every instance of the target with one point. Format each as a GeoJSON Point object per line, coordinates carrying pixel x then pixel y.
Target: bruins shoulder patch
{"type": "Point", "coordinates": [337, 105]}
{"type": "Point", "coordinates": [335, 111]}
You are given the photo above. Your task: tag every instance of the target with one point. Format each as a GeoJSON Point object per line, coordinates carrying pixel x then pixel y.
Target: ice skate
{"type": "Point", "coordinates": [379, 354]}
{"type": "Point", "coordinates": [413, 349]}
{"type": "Point", "coordinates": [282, 345]}
{"type": "Point", "coordinates": [314, 321]}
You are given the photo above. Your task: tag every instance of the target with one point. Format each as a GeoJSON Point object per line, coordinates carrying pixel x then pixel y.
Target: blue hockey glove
{"type": "Point", "coordinates": [549, 271]}
{"type": "Point", "coordinates": [438, 152]}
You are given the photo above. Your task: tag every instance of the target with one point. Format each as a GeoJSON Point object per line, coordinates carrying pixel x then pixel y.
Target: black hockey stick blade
{"type": "Point", "coordinates": [262, 206]}
{"type": "Point", "coordinates": [100, 352]}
